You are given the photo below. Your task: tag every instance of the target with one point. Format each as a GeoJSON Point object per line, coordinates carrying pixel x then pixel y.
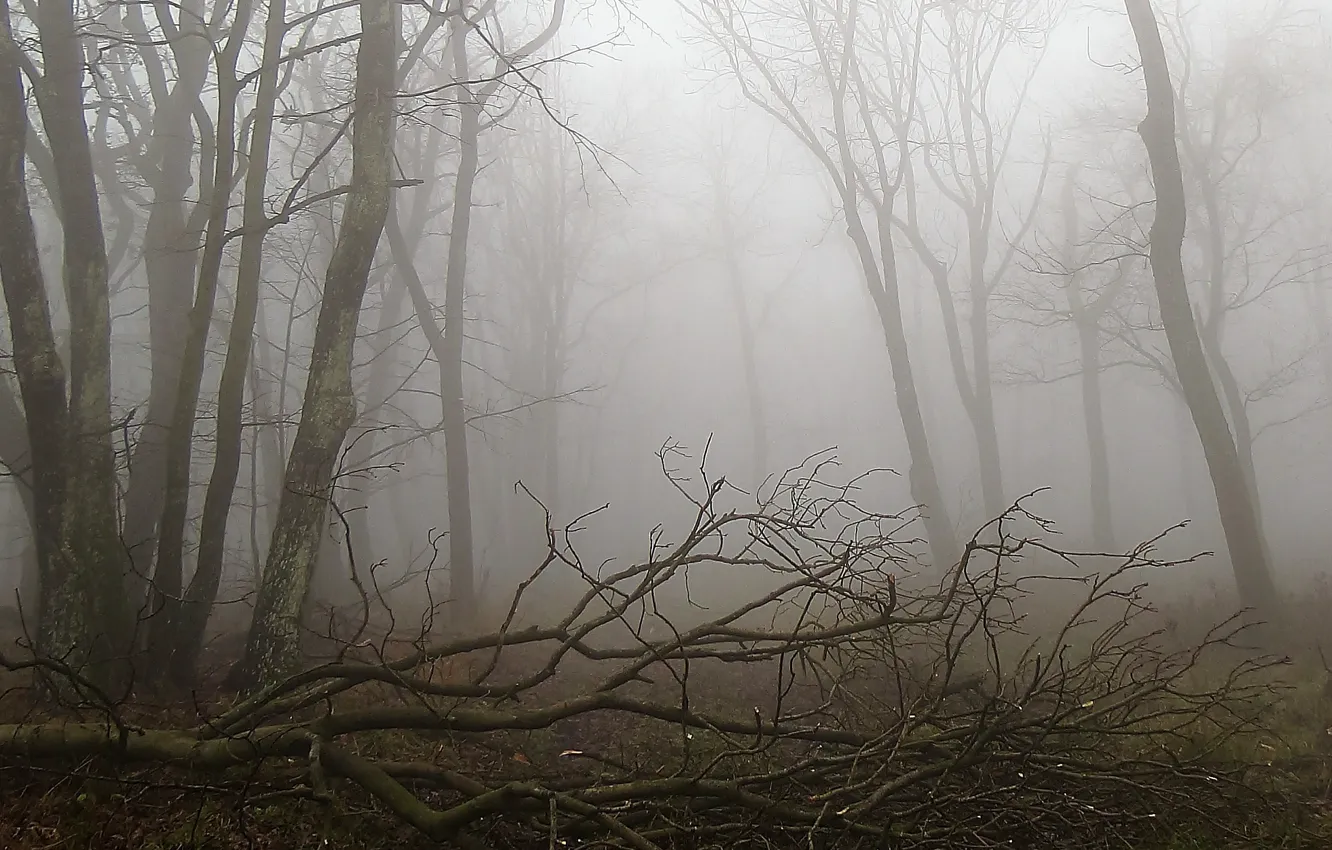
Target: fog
{"type": "Point", "coordinates": [656, 258]}
{"type": "Point", "coordinates": [665, 423]}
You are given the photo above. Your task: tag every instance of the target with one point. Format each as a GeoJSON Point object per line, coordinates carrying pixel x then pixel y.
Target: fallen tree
{"type": "Point", "coordinates": [857, 700]}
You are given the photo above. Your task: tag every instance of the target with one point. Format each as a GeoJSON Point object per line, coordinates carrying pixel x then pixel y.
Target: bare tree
{"type": "Point", "coordinates": [967, 150]}
{"type": "Point", "coordinates": [168, 576]}
{"type": "Point", "coordinates": [447, 343]}
{"type": "Point", "coordinates": [172, 238]}
{"type": "Point", "coordinates": [1239, 519]}
{"type": "Point", "coordinates": [37, 362]}
{"type": "Point", "coordinates": [1226, 117]}
{"type": "Point", "coordinates": [187, 639]}
{"type": "Point", "coordinates": [856, 155]}
{"type": "Point", "coordinates": [273, 648]}
{"type": "Point", "coordinates": [1086, 309]}
{"type": "Point", "coordinates": [84, 618]}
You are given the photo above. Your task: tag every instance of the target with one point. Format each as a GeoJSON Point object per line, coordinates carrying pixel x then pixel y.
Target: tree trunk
{"type": "Point", "coordinates": [378, 389]}
{"type": "Point", "coordinates": [379, 386]}
{"type": "Point", "coordinates": [735, 291]}
{"type": "Point", "coordinates": [168, 578]}
{"type": "Point", "coordinates": [462, 566]}
{"type": "Point", "coordinates": [85, 617]}
{"type": "Point", "coordinates": [197, 603]}
{"type": "Point", "coordinates": [16, 456]}
{"type": "Point", "coordinates": [170, 258]}
{"type": "Point", "coordinates": [1098, 456]}
{"type": "Point", "coordinates": [922, 477]}
{"type": "Point", "coordinates": [1238, 519]}
{"type": "Point", "coordinates": [1238, 412]}
{"type": "Point", "coordinates": [1212, 333]}
{"type": "Point", "coordinates": [880, 277]}
{"type": "Point", "coordinates": [978, 321]}
{"type": "Point", "coordinates": [1087, 321]}
{"type": "Point", "coordinates": [37, 363]}
{"type": "Point", "coordinates": [273, 648]}
{"type": "Point", "coordinates": [435, 338]}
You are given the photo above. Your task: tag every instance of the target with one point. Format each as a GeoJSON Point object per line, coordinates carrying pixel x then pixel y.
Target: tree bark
{"type": "Point", "coordinates": [1238, 519]}
{"type": "Point", "coordinates": [273, 648]}
{"type": "Point", "coordinates": [16, 456]}
{"type": "Point", "coordinates": [37, 363]}
{"type": "Point", "coordinates": [85, 619]}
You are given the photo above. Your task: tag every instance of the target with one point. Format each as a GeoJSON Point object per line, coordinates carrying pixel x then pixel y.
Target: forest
{"type": "Point", "coordinates": [673, 424]}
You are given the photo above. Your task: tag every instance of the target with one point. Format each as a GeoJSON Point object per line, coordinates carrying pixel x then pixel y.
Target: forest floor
{"type": "Point", "coordinates": [79, 808]}
{"type": "Point", "coordinates": [76, 806]}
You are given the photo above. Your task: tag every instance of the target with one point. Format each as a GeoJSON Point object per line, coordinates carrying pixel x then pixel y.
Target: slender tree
{"type": "Point", "coordinates": [967, 153]}
{"type": "Point", "coordinates": [852, 144]}
{"type": "Point", "coordinates": [168, 576]}
{"type": "Point", "coordinates": [1239, 520]}
{"type": "Point", "coordinates": [446, 343]}
{"type": "Point", "coordinates": [201, 592]}
{"type": "Point", "coordinates": [1085, 309]}
{"type": "Point", "coordinates": [172, 238]}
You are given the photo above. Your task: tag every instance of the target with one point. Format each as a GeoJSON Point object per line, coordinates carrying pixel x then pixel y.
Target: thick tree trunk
{"type": "Point", "coordinates": [1238, 519]}
{"type": "Point", "coordinates": [40, 372]}
{"type": "Point", "coordinates": [16, 456]}
{"type": "Point", "coordinates": [85, 619]}
{"type": "Point", "coordinates": [361, 451]}
{"type": "Point", "coordinates": [273, 649]}
{"type": "Point", "coordinates": [379, 386]}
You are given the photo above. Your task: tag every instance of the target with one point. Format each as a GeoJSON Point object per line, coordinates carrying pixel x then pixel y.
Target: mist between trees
{"type": "Point", "coordinates": [325, 319]}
